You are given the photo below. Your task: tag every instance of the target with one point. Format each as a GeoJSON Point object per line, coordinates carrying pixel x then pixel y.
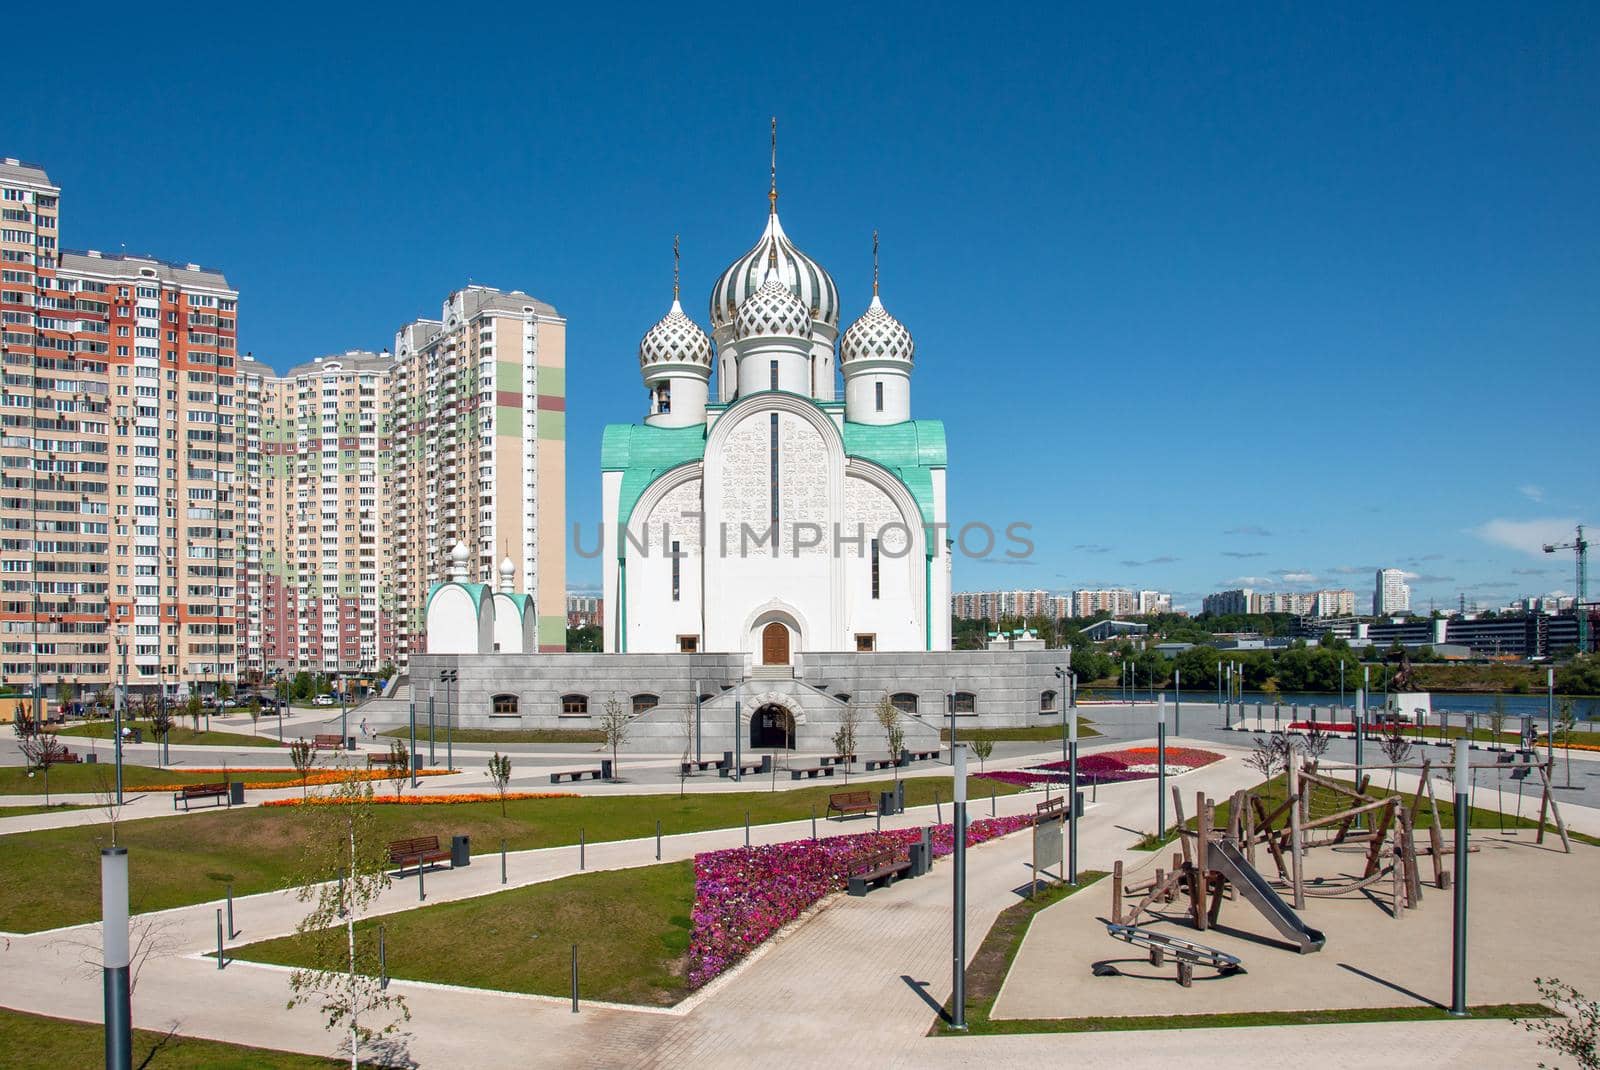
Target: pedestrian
{"type": "Point", "coordinates": [365, 731]}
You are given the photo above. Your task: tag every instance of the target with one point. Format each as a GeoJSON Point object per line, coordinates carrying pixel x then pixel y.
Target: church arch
{"type": "Point", "coordinates": [772, 727]}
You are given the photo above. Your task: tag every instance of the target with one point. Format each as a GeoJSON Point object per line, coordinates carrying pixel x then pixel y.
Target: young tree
{"type": "Point", "coordinates": [194, 708]}
{"type": "Point", "coordinates": [1269, 754]}
{"type": "Point", "coordinates": [1396, 747]}
{"type": "Point", "coordinates": [160, 722]}
{"type": "Point", "coordinates": [304, 759]}
{"type": "Point", "coordinates": [982, 748]}
{"type": "Point", "coordinates": [42, 750]}
{"type": "Point", "coordinates": [844, 737]}
{"type": "Point", "coordinates": [894, 736]}
{"type": "Point", "coordinates": [399, 766]}
{"type": "Point", "coordinates": [1497, 721]}
{"type": "Point", "coordinates": [614, 723]}
{"type": "Point", "coordinates": [685, 726]}
{"type": "Point", "coordinates": [1574, 1030]}
{"type": "Point", "coordinates": [1315, 742]}
{"type": "Point", "coordinates": [342, 981]}
{"type": "Point", "coordinates": [500, 773]}
{"type": "Point", "coordinates": [1567, 724]}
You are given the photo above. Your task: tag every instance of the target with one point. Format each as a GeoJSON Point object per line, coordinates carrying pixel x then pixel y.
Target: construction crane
{"type": "Point", "coordinates": [1580, 547]}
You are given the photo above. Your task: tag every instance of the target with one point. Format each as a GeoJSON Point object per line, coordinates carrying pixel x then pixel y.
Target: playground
{"type": "Point", "coordinates": [1310, 894]}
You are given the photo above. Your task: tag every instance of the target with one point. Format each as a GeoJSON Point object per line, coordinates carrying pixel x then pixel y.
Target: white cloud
{"type": "Point", "coordinates": [1299, 577]}
{"type": "Point", "coordinates": [1529, 536]}
{"type": "Point", "coordinates": [1532, 492]}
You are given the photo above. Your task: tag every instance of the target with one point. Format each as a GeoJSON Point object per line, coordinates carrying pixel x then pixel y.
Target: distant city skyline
{"type": "Point", "coordinates": [1196, 221]}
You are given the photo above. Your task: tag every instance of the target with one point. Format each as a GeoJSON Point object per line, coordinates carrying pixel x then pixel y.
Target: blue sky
{"type": "Point", "coordinates": [1273, 295]}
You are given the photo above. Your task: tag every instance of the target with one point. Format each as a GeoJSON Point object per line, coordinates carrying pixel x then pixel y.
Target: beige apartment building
{"type": "Point", "coordinates": [119, 460]}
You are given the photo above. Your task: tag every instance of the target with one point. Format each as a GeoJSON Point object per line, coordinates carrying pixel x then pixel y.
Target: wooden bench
{"type": "Point", "coordinates": [850, 802]}
{"type": "Point", "coordinates": [880, 763]}
{"type": "Point", "coordinates": [190, 792]}
{"type": "Point", "coordinates": [389, 761]}
{"type": "Point", "coordinates": [878, 870]}
{"type": "Point", "coordinates": [811, 772]}
{"type": "Point", "coordinates": [837, 759]}
{"type": "Point", "coordinates": [65, 756]}
{"type": "Point", "coordinates": [418, 851]}
{"type": "Point", "coordinates": [699, 764]}
{"type": "Point", "coordinates": [327, 742]}
{"type": "Point", "coordinates": [925, 755]}
{"type": "Point", "coordinates": [576, 775]}
{"type": "Point", "coordinates": [746, 769]}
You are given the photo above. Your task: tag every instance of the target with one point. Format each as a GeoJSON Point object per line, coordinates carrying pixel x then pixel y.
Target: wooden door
{"type": "Point", "coordinates": [775, 644]}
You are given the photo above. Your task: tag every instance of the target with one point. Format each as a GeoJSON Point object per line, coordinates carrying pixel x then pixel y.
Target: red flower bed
{"type": "Point", "coordinates": [1108, 767]}
{"type": "Point", "coordinates": [425, 800]}
{"type": "Point", "coordinates": [1324, 726]}
{"type": "Point", "coordinates": [744, 895]}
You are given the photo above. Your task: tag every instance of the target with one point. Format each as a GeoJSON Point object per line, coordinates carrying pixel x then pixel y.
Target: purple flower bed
{"type": "Point", "coordinates": [744, 895]}
{"type": "Point", "coordinates": [1110, 767]}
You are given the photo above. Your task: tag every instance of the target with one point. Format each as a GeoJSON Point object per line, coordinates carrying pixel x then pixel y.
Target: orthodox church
{"type": "Point", "coordinates": [753, 511]}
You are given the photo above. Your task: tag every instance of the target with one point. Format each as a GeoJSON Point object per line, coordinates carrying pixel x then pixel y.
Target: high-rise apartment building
{"type": "Point", "coordinates": [1116, 601]}
{"type": "Point", "coordinates": [479, 401]}
{"type": "Point", "coordinates": [118, 456]}
{"type": "Point", "coordinates": [1154, 602]}
{"type": "Point", "coordinates": [1391, 593]}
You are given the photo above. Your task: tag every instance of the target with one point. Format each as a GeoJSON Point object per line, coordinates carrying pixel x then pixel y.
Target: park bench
{"type": "Point", "coordinates": [327, 742]}
{"type": "Point", "coordinates": [880, 763]}
{"type": "Point", "coordinates": [64, 755]}
{"type": "Point", "coordinates": [837, 759]}
{"type": "Point", "coordinates": [850, 802]}
{"type": "Point", "coordinates": [390, 761]}
{"type": "Point", "coordinates": [744, 769]}
{"type": "Point", "coordinates": [576, 775]}
{"type": "Point", "coordinates": [190, 792]}
{"type": "Point", "coordinates": [924, 755]}
{"type": "Point", "coordinates": [878, 870]}
{"type": "Point", "coordinates": [700, 764]}
{"type": "Point", "coordinates": [811, 772]}
{"type": "Point", "coordinates": [417, 851]}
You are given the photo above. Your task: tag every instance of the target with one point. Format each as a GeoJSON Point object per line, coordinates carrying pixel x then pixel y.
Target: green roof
{"type": "Point", "coordinates": [476, 590]}
{"type": "Point", "coordinates": [521, 600]}
{"type": "Point", "coordinates": [910, 451]}
{"type": "Point", "coordinates": [641, 453]}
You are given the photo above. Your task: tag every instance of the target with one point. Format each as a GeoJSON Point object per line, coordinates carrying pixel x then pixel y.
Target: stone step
{"type": "Point", "coordinates": [772, 672]}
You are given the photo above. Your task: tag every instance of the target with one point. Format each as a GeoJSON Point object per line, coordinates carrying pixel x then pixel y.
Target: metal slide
{"type": "Point", "coordinates": [1223, 856]}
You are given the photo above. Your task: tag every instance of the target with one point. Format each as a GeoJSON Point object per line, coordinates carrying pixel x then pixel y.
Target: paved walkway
{"type": "Point", "coordinates": [854, 984]}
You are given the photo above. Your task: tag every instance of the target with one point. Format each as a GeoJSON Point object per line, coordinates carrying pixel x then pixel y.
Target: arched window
{"type": "Point", "coordinates": [966, 702]}
{"type": "Point", "coordinates": [644, 703]}
{"type": "Point", "coordinates": [904, 701]}
{"type": "Point", "coordinates": [574, 705]}
{"type": "Point", "coordinates": [505, 704]}
{"type": "Point", "coordinates": [1047, 702]}
{"type": "Point", "coordinates": [843, 696]}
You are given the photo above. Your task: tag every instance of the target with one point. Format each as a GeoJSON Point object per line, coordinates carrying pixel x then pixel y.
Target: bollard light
{"type": "Point", "coordinates": [115, 958]}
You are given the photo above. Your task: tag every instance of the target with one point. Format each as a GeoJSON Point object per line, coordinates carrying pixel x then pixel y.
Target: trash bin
{"type": "Point", "coordinates": [766, 763]}
{"type": "Point", "coordinates": [349, 742]}
{"type": "Point", "coordinates": [605, 768]}
{"type": "Point", "coordinates": [460, 851]}
{"type": "Point", "coordinates": [886, 804]}
{"type": "Point", "coordinates": [1078, 804]}
{"type": "Point", "coordinates": [137, 736]}
{"type": "Point", "coordinates": [900, 797]}
{"type": "Point", "coordinates": [91, 758]}
{"type": "Point", "coordinates": [919, 859]}
{"type": "Point", "coordinates": [235, 793]}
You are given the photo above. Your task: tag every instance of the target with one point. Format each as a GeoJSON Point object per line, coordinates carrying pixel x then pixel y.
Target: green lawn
{"type": "Point", "coordinates": [1037, 733]}
{"type": "Point", "coordinates": [102, 776]}
{"type": "Point", "coordinates": [51, 877]}
{"type": "Point", "coordinates": [510, 735]}
{"type": "Point", "coordinates": [24, 811]}
{"type": "Point", "coordinates": [631, 927]}
{"type": "Point", "coordinates": [35, 1042]}
{"type": "Point", "coordinates": [178, 735]}
{"type": "Point", "coordinates": [992, 963]}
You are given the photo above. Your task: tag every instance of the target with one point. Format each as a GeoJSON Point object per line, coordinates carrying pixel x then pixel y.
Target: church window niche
{"type": "Point", "coordinates": [876, 569]}
{"type": "Point", "coordinates": [772, 453]}
{"type": "Point", "coordinates": [966, 702]}
{"type": "Point", "coordinates": [905, 702]}
{"type": "Point", "coordinates": [866, 642]}
{"type": "Point", "coordinates": [878, 394]}
{"type": "Point", "coordinates": [1047, 702]}
{"type": "Point", "coordinates": [574, 705]}
{"type": "Point", "coordinates": [677, 575]}
{"type": "Point", "coordinates": [772, 370]}
{"type": "Point", "coordinates": [689, 644]}
{"type": "Point", "coordinates": [644, 703]}
{"type": "Point", "coordinates": [664, 398]}
{"type": "Point", "coordinates": [505, 705]}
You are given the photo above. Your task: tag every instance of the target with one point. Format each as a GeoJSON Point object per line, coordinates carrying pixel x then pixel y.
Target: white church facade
{"type": "Point", "coordinates": [777, 519]}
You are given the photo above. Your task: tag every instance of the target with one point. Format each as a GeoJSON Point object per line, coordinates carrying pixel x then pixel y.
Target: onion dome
{"type": "Point", "coordinates": [773, 311]}
{"type": "Point", "coordinates": [803, 276]}
{"type": "Point", "coordinates": [876, 336]}
{"type": "Point", "coordinates": [676, 339]}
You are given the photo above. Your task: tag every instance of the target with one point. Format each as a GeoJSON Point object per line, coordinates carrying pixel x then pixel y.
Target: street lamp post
{"type": "Point", "coordinates": [115, 957]}
{"type": "Point", "coordinates": [413, 705]}
{"type": "Point", "coordinates": [344, 717]}
{"type": "Point", "coordinates": [1161, 768]}
{"type": "Point", "coordinates": [448, 677]}
{"type": "Point", "coordinates": [433, 758]}
{"type": "Point", "coordinates": [1177, 701]}
{"type": "Point", "coordinates": [1072, 803]}
{"type": "Point", "coordinates": [958, 951]}
{"type": "Point", "coordinates": [1341, 681]}
{"type": "Point", "coordinates": [1550, 719]}
{"type": "Point", "coordinates": [1458, 957]}
{"type": "Point", "coordinates": [697, 691]}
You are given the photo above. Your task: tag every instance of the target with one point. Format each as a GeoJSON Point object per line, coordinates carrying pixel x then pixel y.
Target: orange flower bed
{"type": "Point", "coordinates": [1578, 746]}
{"type": "Point", "coordinates": [427, 800]}
{"type": "Point", "coordinates": [317, 779]}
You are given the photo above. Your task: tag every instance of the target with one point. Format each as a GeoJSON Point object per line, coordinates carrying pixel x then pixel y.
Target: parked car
{"type": "Point", "coordinates": [324, 700]}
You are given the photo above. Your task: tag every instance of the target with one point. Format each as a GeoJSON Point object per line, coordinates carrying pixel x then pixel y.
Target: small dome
{"type": "Point", "coordinates": [876, 336]}
{"type": "Point", "coordinates": [773, 311]}
{"type": "Point", "coordinates": [459, 553]}
{"type": "Point", "coordinates": [508, 569]}
{"type": "Point", "coordinates": [804, 277]}
{"type": "Point", "coordinates": [676, 339]}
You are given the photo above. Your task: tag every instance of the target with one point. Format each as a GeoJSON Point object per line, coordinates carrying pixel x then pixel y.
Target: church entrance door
{"type": "Point", "coordinates": [775, 644]}
{"type": "Point", "coordinates": [772, 727]}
